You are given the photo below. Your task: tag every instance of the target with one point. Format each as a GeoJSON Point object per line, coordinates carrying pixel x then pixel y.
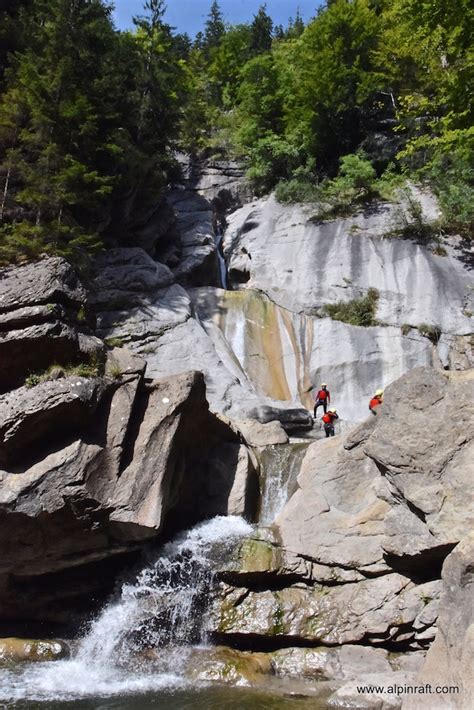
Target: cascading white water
{"type": "Point", "coordinates": [163, 609]}
{"type": "Point", "coordinates": [280, 465]}
{"type": "Point", "coordinates": [220, 259]}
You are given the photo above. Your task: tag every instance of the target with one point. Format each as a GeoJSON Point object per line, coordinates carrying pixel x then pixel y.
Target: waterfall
{"type": "Point", "coordinates": [220, 258]}
{"type": "Point", "coordinates": [280, 466]}
{"type": "Point", "coordinates": [139, 642]}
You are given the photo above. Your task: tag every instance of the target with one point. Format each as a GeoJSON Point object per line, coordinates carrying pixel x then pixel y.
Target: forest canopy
{"type": "Point", "coordinates": [91, 118]}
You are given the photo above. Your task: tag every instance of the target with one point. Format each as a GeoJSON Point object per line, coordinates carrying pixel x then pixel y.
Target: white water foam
{"type": "Point", "coordinates": [162, 609]}
{"type": "Point", "coordinates": [281, 465]}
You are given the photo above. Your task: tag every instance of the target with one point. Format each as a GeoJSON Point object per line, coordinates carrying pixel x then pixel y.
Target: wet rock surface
{"type": "Point", "coordinates": [265, 345]}
{"type": "Point", "coordinates": [16, 650]}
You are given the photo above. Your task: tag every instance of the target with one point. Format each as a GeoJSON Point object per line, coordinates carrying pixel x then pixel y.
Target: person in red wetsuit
{"type": "Point", "coordinates": [328, 419]}
{"type": "Point", "coordinates": [322, 398]}
{"type": "Point", "coordinates": [376, 401]}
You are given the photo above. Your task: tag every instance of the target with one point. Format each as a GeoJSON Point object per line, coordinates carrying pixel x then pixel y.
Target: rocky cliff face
{"type": "Point", "coordinates": [95, 459]}
{"type": "Point", "coordinates": [302, 265]}
{"type": "Point", "coordinates": [264, 345]}
{"type": "Point", "coordinates": [104, 449]}
{"type": "Point", "coordinates": [356, 555]}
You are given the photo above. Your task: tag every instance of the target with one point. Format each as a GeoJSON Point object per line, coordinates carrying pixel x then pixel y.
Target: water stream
{"type": "Point", "coordinates": [136, 652]}
{"type": "Point", "coordinates": [280, 466]}
{"type": "Point", "coordinates": [220, 258]}
{"type": "Point", "coordinates": [139, 643]}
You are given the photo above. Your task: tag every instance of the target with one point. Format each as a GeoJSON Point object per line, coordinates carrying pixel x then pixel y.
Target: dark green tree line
{"type": "Point", "coordinates": [90, 117]}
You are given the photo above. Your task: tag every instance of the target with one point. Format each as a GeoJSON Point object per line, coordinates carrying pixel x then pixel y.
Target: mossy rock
{"type": "Point", "coordinates": [257, 556]}
{"type": "Point", "coordinates": [15, 650]}
{"type": "Point", "coordinates": [227, 665]}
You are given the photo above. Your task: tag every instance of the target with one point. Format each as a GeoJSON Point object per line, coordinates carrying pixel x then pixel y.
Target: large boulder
{"type": "Point", "coordinates": [50, 280]}
{"type": "Point", "coordinates": [423, 445]}
{"type": "Point", "coordinates": [384, 609]}
{"type": "Point", "coordinates": [95, 459]}
{"type": "Point", "coordinates": [335, 518]}
{"type": "Point", "coordinates": [184, 460]}
{"type": "Point", "coordinates": [17, 650]}
{"type": "Point", "coordinates": [45, 414]}
{"type": "Point", "coordinates": [107, 464]}
{"type": "Point", "coordinates": [337, 567]}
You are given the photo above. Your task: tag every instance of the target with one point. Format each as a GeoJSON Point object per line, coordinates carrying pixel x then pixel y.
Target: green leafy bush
{"type": "Point", "coordinates": [296, 190]}
{"type": "Point", "coordinates": [452, 179]}
{"type": "Point", "coordinates": [360, 311]}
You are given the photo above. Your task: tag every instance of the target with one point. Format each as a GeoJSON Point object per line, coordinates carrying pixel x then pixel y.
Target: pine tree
{"type": "Point", "coordinates": [214, 28]}
{"type": "Point", "coordinates": [57, 138]}
{"type": "Point", "coordinates": [297, 26]}
{"type": "Point", "coordinates": [158, 81]}
{"type": "Point", "coordinates": [262, 31]}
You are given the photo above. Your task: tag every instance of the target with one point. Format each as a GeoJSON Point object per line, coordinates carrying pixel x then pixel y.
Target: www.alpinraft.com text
{"type": "Point", "coordinates": [426, 689]}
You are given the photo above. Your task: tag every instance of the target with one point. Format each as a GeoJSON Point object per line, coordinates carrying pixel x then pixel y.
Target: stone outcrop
{"type": "Point", "coordinates": [265, 345]}
{"type": "Point", "coordinates": [139, 304]}
{"type": "Point", "coordinates": [95, 459]}
{"type": "Point", "coordinates": [110, 462]}
{"type": "Point", "coordinates": [186, 229]}
{"type": "Point", "coordinates": [424, 452]}
{"type": "Point", "coordinates": [336, 571]}
{"type": "Point", "coordinates": [288, 267]}
{"type": "Point", "coordinates": [195, 228]}
{"type": "Point", "coordinates": [448, 663]}
{"type": "Point", "coordinates": [43, 320]}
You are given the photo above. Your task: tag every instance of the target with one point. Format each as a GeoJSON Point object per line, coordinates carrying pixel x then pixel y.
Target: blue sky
{"type": "Point", "coordinates": [189, 15]}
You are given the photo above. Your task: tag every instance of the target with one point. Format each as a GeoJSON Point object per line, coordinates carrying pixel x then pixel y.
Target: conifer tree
{"type": "Point", "coordinates": [214, 28]}
{"type": "Point", "coordinates": [262, 31]}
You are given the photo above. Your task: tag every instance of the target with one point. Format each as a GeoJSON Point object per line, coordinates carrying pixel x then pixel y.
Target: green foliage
{"type": "Point", "coordinates": [55, 371]}
{"type": "Point", "coordinates": [365, 96]}
{"type": "Point", "coordinates": [86, 120]}
{"type": "Point", "coordinates": [115, 371]}
{"type": "Point", "coordinates": [81, 315]}
{"type": "Point", "coordinates": [451, 174]}
{"type": "Point", "coordinates": [214, 28]}
{"type": "Point", "coordinates": [360, 311]}
{"type": "Point", "coordinates": [261, 31]}
{"type": "Point", "coordinates": [354, 183]}
{"type": "Point", "coordinates": [296, 190]}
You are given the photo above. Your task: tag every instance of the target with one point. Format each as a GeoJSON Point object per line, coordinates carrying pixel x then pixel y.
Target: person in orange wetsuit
{"type": "Point", "coordinates": [376, 401]}
{"type": "Point", "coordinates": [322, 398]}
{"type": "Point", "coordinates": [328, 419]}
